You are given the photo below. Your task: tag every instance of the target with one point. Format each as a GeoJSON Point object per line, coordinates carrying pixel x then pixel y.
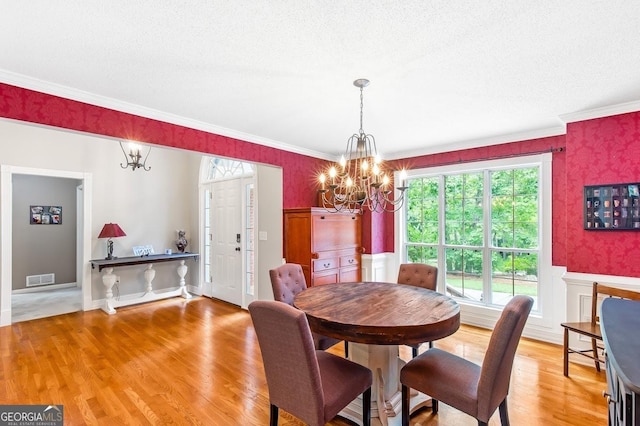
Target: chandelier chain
{"type": "Point", "coordinates": [361, 108]}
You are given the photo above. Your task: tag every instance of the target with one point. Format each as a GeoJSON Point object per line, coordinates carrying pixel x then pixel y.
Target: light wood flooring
{"type": "Point", "coordinates": [198, 362]}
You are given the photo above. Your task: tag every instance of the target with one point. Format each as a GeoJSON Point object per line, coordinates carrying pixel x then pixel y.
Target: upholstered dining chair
{"type": "Point", "coordinates": [468, 387]}
{"type": "Point", "coordinates": [287, 280]}
{"type": "Point", "coordinates": [311, 384]}
{"type": "Point", "coordinates": [418, 275]}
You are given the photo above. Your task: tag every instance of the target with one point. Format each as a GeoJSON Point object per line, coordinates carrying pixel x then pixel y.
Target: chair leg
{"type": "Point", "coordinates": [434, 406]}
{"type": "Point", "coordinates": [566, 352]}
{"type": "Point", "coordinates": [405, 405]}
{"type": "Point", "coordinates": [504, 414]}
{"type": "Point", "coordinates": [366, 407]}
{"type": "Point", "coordinates": [594, 347]}
{"type": "Point", "coordinates": [346, 349]}
{"type": "Point", "coordinates": [481, 423]}
{"type": "Point", "coordinates": [414, 351]}
{"type": "Point", "coordinates": [430, 345]}
{"type": "Point", "coordinates": [273, 416]}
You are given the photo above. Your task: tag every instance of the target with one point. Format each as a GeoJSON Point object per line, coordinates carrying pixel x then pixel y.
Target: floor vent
{"type": "Point", "coordinates": [44, 279]}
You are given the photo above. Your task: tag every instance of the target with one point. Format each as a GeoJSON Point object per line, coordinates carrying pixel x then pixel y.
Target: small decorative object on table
{"type": "Point", "coordinates": [181, 242]}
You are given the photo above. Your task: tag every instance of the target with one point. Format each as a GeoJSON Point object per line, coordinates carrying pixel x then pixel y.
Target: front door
{"type": "Point", "coordinates": [226, 241]}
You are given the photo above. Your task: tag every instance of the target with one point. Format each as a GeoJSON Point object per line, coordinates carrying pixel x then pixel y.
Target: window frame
{"type": "Point", "coordinates": [481, 314]}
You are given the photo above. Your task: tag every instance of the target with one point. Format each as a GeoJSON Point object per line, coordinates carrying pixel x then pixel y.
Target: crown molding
{"type": "Point", "coordinates": [478, 143]}
{"type": "Point", "coordinates": [601, 112]}
{"type": "Point", "coordinates": [126, 107]}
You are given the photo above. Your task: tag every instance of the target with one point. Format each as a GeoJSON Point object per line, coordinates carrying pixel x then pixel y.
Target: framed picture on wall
{"type": "Point", "coordinates": [612, 207]}
{"type": "Point", "coordinates": [45, 215]}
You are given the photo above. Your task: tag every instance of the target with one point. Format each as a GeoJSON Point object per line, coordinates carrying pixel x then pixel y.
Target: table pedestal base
{"type": "Point", "coordinates": [386, 395]}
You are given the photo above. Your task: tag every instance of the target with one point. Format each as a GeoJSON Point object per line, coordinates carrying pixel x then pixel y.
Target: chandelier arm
{"type": "Point", "coordinates": [126, 159]}
{"type": "Point", "coordinates": [144, 163]}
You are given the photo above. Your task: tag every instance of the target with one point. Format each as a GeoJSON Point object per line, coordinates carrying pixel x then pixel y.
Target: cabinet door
{"type": "Point", "coordinates": [333, 231]}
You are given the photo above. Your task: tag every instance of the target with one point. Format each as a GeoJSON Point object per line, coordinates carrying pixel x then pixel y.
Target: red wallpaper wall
{"type": "Point", "coordinates": [601, 151]}
{"type": "Point", "coordinates": [35, 107]}
{"type": "Point", "coordinates": [597, 151]}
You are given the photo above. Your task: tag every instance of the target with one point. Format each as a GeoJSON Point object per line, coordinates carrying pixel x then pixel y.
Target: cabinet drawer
{"type": "Point", "coordinates": [324, 264]}
{"type": "Point", "coordinates": [330, 276]}
{"type": "Point", "coordinates": [351, 260]}
{"type": "Point", "coordinates": [349, 275]}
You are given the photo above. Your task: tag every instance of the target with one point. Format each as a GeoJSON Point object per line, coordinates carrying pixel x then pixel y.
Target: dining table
{"type": "Point", "coordinates": [375, 318]}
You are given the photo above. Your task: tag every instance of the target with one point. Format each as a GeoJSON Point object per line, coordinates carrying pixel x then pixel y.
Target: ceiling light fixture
{"type": "Point", "coordinates": [134, 156]}
{"type": "Point", "coordinates": [359, 181]}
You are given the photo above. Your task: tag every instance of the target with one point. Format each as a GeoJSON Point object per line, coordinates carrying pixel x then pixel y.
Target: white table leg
{"type": "Point", "coordinates": [149, 275]}
{"type": "Point", "coordinates": [182, 272]}
{"type": "Point", "coordinates": [386, 396]}
{"type": "Point", "coordinates": [109, 279]}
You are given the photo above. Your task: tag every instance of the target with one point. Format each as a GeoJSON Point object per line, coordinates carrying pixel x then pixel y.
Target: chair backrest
{"type": "Point", "coordinates": [287, 280]}
{"type": "Point", "coordinates": [495, 376]}
{"type": "Point", "coordinates": [289, 358]}
{"type": "Point", "coordinates": [608, 291]}
{"type": "Point", "coordinates": [418, 275]}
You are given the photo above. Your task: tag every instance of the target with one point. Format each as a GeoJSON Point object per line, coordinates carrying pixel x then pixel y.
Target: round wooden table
{"type": "Point", "coordinates": [379, 313]}
{"type": "Point", "coordinates": [377, 317]}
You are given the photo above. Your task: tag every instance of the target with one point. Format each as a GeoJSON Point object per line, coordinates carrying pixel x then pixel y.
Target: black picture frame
{"type": "Point", "coordinates": [45, 215]}
{"type": "Point", "coordinates": [613, 207]}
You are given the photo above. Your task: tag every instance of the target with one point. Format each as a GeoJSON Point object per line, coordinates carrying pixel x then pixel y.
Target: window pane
{"type": "Point", "coordinates": [502, 182]}
{"type": "Point", "coordinates": [422, 254]}
{"type": "Point", "coordinates": [526, 181]}
{"type": "Point", "coordinates": [513, 273]}
{"type": "Point", "coordinates": [464, 273]}
{"type": "Point", "coordinates": [422, 210]}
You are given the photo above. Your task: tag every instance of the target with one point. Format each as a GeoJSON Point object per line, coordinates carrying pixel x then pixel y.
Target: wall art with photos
{"type": "Point", "coordinates": [612, 207]}
{"type": "Point", "coordinates": [45, 215]}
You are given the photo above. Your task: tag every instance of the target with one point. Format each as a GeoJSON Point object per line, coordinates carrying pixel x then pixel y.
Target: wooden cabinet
{"type": "Point", "coordinates": [327, 245]}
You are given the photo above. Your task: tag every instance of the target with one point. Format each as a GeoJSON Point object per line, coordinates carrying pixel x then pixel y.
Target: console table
{"type": "Point", "coordinates": [109, 279]}
{"type": "Point", "coordinates": [620, 321]}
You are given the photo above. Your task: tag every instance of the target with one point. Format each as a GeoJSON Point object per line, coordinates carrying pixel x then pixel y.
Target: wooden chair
{"type": "Point", "coordinates": [468, 387]}
{"type": "Point", "coordinates": [418, 275]}
{"type": "Point", "coordinates": [287, 281]}
{"type": "Point", "coordinates": [591, 329]}
{"type": "Point", "coordinates": [312, 385]}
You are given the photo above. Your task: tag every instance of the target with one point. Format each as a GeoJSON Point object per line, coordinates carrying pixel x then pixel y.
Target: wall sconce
{"type": "Point", "coordinates": [134, 156]}
{"type": "Point", "coordinates": [111, 230]}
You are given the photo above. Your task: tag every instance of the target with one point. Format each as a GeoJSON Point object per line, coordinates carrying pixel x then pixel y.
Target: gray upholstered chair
{"type": "Point", "coordinates": [468, 387]}
{"type": "Point", "coordinates": [310, 384]}
{"type": "Point", "coordinates": [287, 280]}
{"type": "Point", "coordinates": [418, 275]}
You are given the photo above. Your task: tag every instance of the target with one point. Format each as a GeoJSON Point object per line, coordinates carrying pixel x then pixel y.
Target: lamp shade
{"type": "Point", "coordinates": [110, 230]}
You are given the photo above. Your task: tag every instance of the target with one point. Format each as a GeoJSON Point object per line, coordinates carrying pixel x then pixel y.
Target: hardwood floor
{"type": "Point", "coordinates": [198, 362]}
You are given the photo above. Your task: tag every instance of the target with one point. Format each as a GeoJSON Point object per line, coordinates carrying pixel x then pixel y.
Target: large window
{"type": "Point", "coordinates": [481, 226]}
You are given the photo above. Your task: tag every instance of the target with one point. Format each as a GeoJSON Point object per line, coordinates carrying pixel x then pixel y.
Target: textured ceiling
{"type": "Point", "coordinates": [444, 74]}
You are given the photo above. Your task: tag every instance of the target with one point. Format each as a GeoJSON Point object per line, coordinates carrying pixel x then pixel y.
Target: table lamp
{"type": "Point", "coordinates": [111, 230]}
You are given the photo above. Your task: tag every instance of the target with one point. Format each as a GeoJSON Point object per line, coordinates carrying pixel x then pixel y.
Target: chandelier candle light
{"type": "Point", "coordinates": [359, 180]}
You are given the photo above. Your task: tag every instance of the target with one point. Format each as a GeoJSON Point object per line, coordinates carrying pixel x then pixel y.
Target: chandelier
{"type": "Point", "coordinates": [360, 181]}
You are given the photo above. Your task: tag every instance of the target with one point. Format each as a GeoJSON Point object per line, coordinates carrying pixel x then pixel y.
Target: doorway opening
{"type": "Point", "coordinates": [81, 209]}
